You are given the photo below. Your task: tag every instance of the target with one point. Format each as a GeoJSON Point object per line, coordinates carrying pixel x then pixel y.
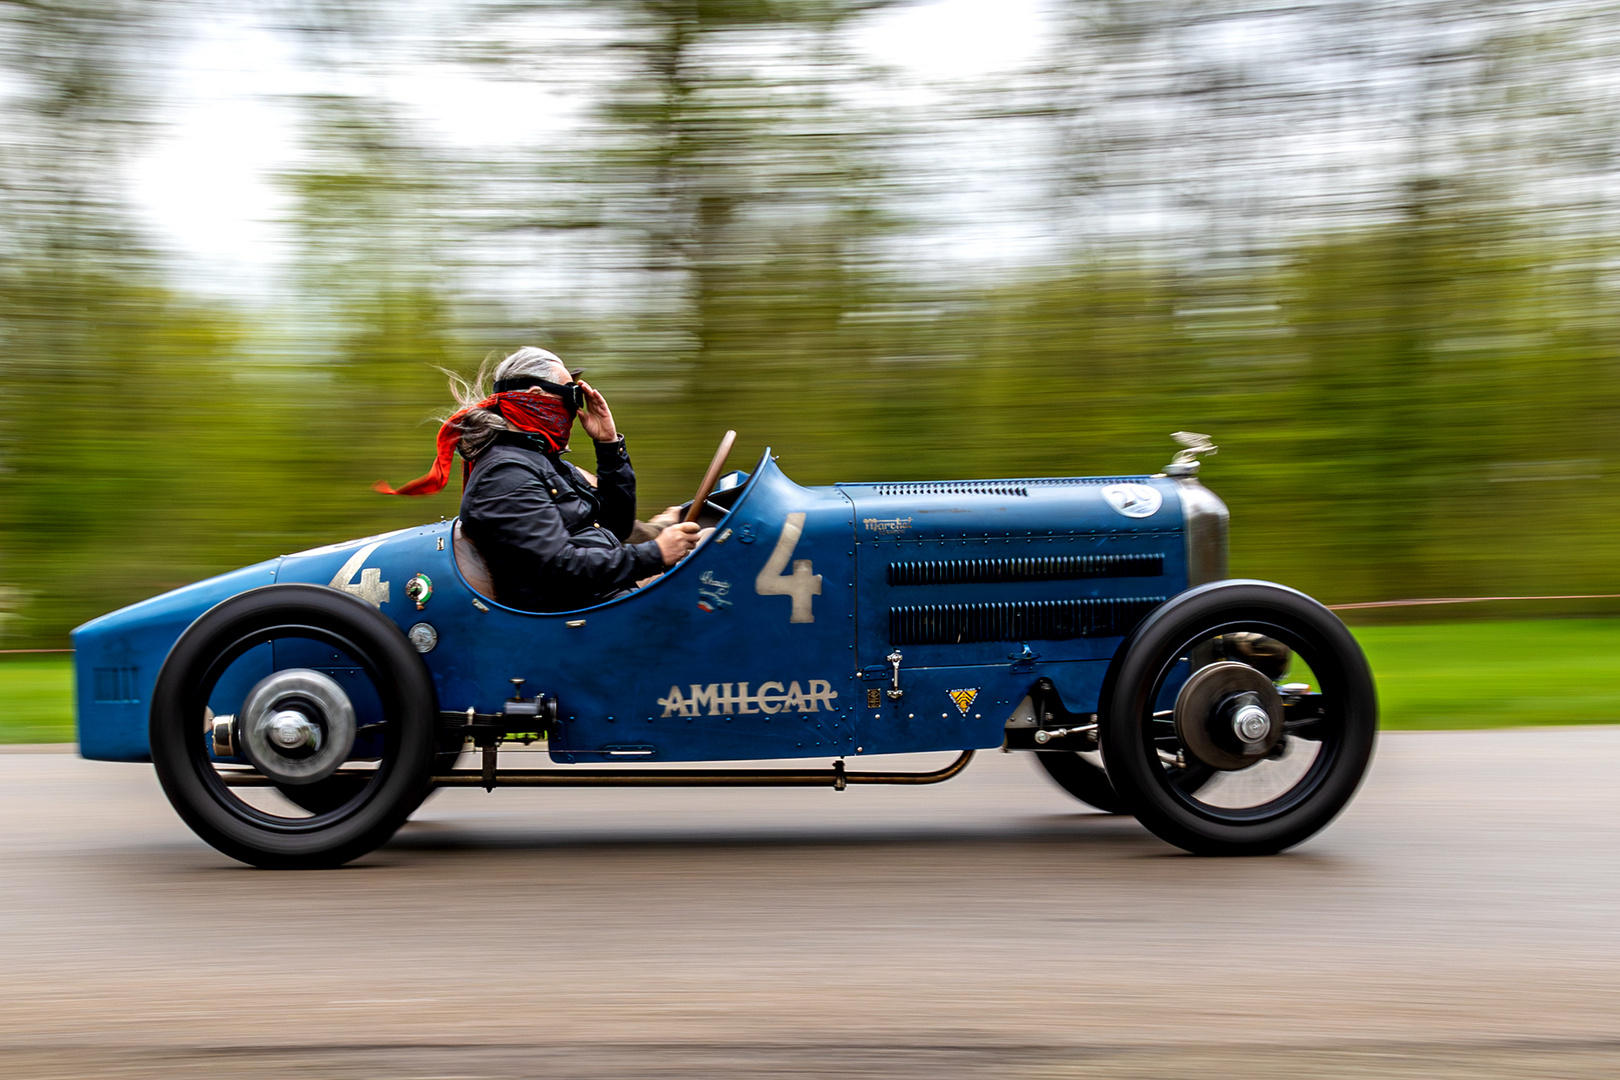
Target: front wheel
{"type": "Point", "coordinates": [1286, 754]}
{"type": "Point", "coordinates": [316, 690]}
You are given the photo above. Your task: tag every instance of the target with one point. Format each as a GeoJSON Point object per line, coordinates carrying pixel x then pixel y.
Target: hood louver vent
{"type": "Point", "coordinates": [1017, 489]}
{"type": "Point", "coordinates": [1035, 568]}
{"type": "Point", "coordinates": [957, 487]}
{"type": "Point", "coordinates": [1088, 481]}
{"type": "Point", "coordinates": [1034, 620]}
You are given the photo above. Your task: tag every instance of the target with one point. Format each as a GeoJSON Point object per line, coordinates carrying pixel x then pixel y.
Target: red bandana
{"type": "Point", "coordinates": [525, 410]}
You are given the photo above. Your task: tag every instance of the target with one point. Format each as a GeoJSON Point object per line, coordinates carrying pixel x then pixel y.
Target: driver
{"type": "Point", "coordinates": [553, 541]}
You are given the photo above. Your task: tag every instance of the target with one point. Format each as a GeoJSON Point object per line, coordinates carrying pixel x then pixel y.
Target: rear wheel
{"type": "Point", "coordinates": [325, 698]}
{"type": "Point", "coordinates": [1284, 759]}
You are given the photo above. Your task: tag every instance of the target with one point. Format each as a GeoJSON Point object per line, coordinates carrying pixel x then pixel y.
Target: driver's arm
{"type": "Point", "coordinates": [616, 487]}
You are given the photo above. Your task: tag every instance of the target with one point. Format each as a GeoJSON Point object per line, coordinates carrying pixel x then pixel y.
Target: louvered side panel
{"type": "Point", "coordinates": [1033, 620]}
{"type": "Point", "coordinates": [1015, 490]}
{"type": "Point", "coordinates": [1030, 568]}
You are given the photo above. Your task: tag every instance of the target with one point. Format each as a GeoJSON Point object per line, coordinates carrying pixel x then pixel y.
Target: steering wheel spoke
{"type": "Point", "coordinates": [710, 478]}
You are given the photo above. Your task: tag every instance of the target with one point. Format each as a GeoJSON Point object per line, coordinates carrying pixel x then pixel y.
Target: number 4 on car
{"type": "Point", "coordinates": [297, 711]}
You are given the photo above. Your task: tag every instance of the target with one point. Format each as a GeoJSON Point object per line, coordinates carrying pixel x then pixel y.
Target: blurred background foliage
{"type": "Point", "coordinates": [1369, 244]}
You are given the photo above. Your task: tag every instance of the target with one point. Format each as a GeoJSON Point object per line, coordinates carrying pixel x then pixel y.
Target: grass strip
{"type": "Point", "coordinates": [1496, 674]}
{"type": "Point", "coordinates": [36, 699]}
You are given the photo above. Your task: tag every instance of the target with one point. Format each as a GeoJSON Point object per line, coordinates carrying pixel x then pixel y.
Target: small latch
{"type": "Point", "coordinates": [1024, 659]}
{"type": "Point", "coordinates": [895, 693]}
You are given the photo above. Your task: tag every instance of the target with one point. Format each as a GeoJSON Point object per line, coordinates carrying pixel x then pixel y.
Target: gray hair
{"type": "Point", "coordinates": [479, 426]}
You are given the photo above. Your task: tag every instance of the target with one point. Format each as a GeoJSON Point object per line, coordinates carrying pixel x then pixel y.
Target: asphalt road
{"type": "Point", "coordinates": [1458, 921]}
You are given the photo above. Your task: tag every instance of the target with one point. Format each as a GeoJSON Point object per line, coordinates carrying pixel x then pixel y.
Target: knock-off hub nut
{"type": "Point", "coordinates": [1252, 723]}
{"type": "Point", "coordinates": [292, 730]}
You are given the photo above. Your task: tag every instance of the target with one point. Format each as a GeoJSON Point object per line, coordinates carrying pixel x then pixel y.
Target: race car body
{"type": "Point", "coordinates": [833, 622]}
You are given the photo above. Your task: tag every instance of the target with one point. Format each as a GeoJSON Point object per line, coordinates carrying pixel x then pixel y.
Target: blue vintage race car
{"type": "Point", "coordinates": [298, 710]}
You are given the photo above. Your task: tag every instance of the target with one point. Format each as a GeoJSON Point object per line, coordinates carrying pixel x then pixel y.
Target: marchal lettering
{"type": "Point", "coordinates": [734, 699]}
{"type": "Point", "coordinates": [887, 526]}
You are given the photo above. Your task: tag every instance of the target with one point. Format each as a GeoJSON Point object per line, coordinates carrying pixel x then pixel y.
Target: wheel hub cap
{"type": "Point", "coordinates": [297, 726]}
{"type": "Point", "coordinates": [1229, 715]}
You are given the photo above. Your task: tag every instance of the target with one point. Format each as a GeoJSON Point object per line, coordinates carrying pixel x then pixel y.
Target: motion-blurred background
{"type": "Point", "coordinates": [1370, 245]}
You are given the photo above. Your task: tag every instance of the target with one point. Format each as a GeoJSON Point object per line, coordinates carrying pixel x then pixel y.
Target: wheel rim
{"type": "Point", "coordinates": [1273, 785]}
{"type": "Point", "coordinates": [208, 770]}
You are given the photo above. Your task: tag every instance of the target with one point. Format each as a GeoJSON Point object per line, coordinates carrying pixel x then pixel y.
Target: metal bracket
{"type": "Point", "coordinates": [490, 752]}
{"type": "Point", "coordinates": [489, 730]}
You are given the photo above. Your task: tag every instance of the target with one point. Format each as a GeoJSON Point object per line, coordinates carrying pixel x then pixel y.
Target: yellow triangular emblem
{"type": "Point", "coordinates": [963, 698]}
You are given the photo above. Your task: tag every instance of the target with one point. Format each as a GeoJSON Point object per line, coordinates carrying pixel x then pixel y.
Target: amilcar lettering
{"type": "Point", "coordinates": [728, 699]}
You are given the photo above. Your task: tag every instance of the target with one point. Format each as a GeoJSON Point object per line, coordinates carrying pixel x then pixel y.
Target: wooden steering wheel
{"type": "Point", "coordinates": [711, 477]}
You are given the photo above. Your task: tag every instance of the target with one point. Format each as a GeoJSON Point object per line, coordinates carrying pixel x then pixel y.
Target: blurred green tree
{"type": "Point", "coordinates": [104, 369]}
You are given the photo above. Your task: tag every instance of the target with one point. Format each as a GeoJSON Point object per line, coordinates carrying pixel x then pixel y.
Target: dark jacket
{"type": "Point", "coordinates": [552, 542]}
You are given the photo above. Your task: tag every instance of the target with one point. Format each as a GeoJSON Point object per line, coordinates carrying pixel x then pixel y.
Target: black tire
{"type": "Point", "coordinates": [1080, 778]}
{"type": "Point", "coordinates": [325, 796]}
{"type": "Point", "coordinates": [334, 791]}
{"type": "Point", "coordinates": [338, 831]}
{"type": "Point", "coordinates": [1132, 736]}
{"type": "Point", "coordinates": [1090, 784]}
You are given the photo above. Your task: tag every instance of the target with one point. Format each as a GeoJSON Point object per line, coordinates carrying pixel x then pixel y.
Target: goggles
{"type": "Point", "coordinates": [572, 394]}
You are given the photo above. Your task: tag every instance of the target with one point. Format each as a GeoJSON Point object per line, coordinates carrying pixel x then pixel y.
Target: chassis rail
{"type": "Point", "coordinates": [566, 776]}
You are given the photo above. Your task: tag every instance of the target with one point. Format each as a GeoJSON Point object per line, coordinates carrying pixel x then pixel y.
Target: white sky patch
{"type": "Point", "coordinates": [463, 109]}
{"type": "Point", "coordinates": [208, 185]}
{"type": "Point", "coordinates": [957, 39]}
